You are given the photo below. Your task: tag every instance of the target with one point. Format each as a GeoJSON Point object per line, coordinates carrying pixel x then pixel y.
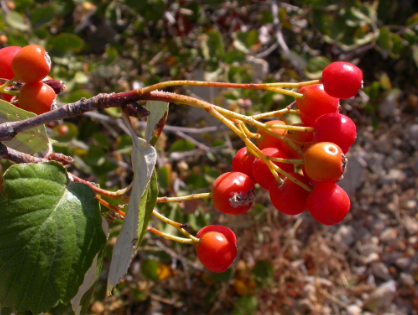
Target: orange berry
{"type": "Point", "coordinates": [31, 64]}
{"type": "Point", "coordinates": [267, 140]}
{"type": "Point", "coordinates": [36, 97]}
{"type": "Point", "coordinates": [324, 162]}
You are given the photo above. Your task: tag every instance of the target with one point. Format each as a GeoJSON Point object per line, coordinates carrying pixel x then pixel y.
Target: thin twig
{"type": "Point", "coordinates": [9, 130]}
{"type": "Point", "coordinates": [17, 156]}
{"type": "Point", "coordinates": [278, 27]}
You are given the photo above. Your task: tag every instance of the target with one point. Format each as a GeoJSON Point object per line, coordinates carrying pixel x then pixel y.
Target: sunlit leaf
{"type": "Point", "coordinates": [50, 232]}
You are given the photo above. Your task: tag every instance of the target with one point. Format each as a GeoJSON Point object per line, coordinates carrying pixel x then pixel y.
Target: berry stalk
{"type": "Point", "coordinates": [275, 87]}
{"type": "Point", "coordinates": [177, 239]}
{"type": "Point", "coordinates": [279, 112]}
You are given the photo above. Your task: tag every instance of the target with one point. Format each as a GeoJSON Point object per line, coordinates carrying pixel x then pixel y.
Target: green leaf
{"type": "Point", "coordinates": [101, 140]}
{"type": "Point", "coordinates": [29, 141]}
{"type": "Point", "coordinates": [247, 39]}
{"type": "Point", "coordinates": [223, 277]}
{"type": "Point", "coordinates": [81, 301]}
{"type": "Point", "coordinates": [64, 42]}
{"type": "Point", "coordinates": [182, 145]}
{"type": "Point", "coordinates": [213, 47]}
{"type": "Point", "coordinates": [144, 192]}
{"type": "Point", "coordinates": [315, 66]}
{"type": "Point", "coordinates": [148, 202]}
{"type": "Point", "coordinates": [264, 272]}
{"type": "Point", "coordinates": [384, 41]}
{"type": "Point", "coordinates": [17, 21]}
{"type": "Point", "coordinates": [156, 120]}
{"type": "Point", "coordinates": [149, 269]}
{"type": "Point", "coordinates": [384, 81]}
{"type": "Point", "coordinates": [415, 54]}
{"type": "Point", "coordinates": [50, 232]}
{"type": "Point", "coordinates": [152, 10]}
{"type": "Point", "coordinates": [164, 176]}
{"type": "Point", "coordinates": [245, 305]}
{"type": "Point", "coordinates": [111, 56]}
{"type": "Point", "coordinates": [234, 57]}
{"type": "Point", "coordinates": [398, 44]}
{"type": "Point", "coordinates": [17, 39]}
{"type": "Point", "coordinates": [144, 158]}
{"type": "Point", "coordinates": [95, 156]}
{"type": "Point", "coordinates": [42, 15]}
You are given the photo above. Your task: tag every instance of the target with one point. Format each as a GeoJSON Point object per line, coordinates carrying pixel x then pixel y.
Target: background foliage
{"type": "Point", "coordinates": [114, 46]}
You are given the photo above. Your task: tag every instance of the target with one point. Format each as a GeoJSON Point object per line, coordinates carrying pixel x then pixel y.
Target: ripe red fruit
{"type": "Point", "coordinates": [289, 198]}
{"type": "Point", "coordinates": [342, 79]}
{"type": "Point", "coordinates": [261, 172]}
{"type": "Point", "coordinates": [328, 203]}
{"type": "Point", "coordinates": [345, 150]}
{"type": "Point", "coordinates": [307, 121]}
{"type": "Point", "coordinates": [316, 102]}
{"type": "Point", "coordinates": [268, 141]}
{"type": "Point", "coordinates": [336, 128]}
{"type": "Point", "coordinates": [243, 162]}
{"type": "Point", "coordinates": [217, 247]}
{"type": "Point", "coordinates": [31, 64]}
{"type": "Point", "coordinates": [299, 136]}
{"type": "Point", "coordinates": [233, 193]}
{"type": "Point", "coordinates": [36, 97]}
{"type": "Point", "coordinates": [324, 162]}
{"type": "Point", "coordinates": [6, 57]}
{"type": "Point", "coordinates": [6, 97]}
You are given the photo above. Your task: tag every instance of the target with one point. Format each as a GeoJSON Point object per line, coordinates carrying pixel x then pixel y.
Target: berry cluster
{"type": "Point", "coordinates": [298, 164]}
{"type": "Point", "coordinates": [310, 161]}
{"type": "Point", "coordinates": [30, 65]}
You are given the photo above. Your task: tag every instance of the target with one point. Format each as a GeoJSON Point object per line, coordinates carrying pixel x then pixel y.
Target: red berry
{"type": "Point", "coordinates": [299, 136]}
{"type": "Point", "coordinates": [217, 247]}
{"type": "Point", "coordinates": [6, 57]}
{"type": "Point", "coordinates": [289, 198]}
{"type": "Point", "coordinates": [233, 193]}
{"type": "Point", "coordinates": [342, 79]}
{"type": "Point", "coordinates": [335, 128]}
{"type": "Point", "coordinates": [307, 121]}
{"type": "Point", "coordinates": [243, 162]}
{"type": "Point", "coordinates": [316, 102]}
{"type": "Point", "coordinates": [6, 97]}
{"type": "Point", "coordinates": [328, 203]}
{"type": "Point", "coordinates": [36, 97]}
{"type": "Point", "coordinates": [324, 162]}
{"type": "Point", "coordinates": [261, 172]}
{"type": "Point", "coordinates": [267, 140]}
{"type": "Point", "coordinates": [31, 64]}
{"type": "Point", "coordinates": [218, 228]}
{"type": "Point", "coordinates": [345, 150]}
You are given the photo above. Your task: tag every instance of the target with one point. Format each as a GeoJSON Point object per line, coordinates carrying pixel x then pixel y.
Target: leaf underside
{"type": "Point", "coordinates": [143, 196]}
{"type": "Point", "coordinates": [29, 141]}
